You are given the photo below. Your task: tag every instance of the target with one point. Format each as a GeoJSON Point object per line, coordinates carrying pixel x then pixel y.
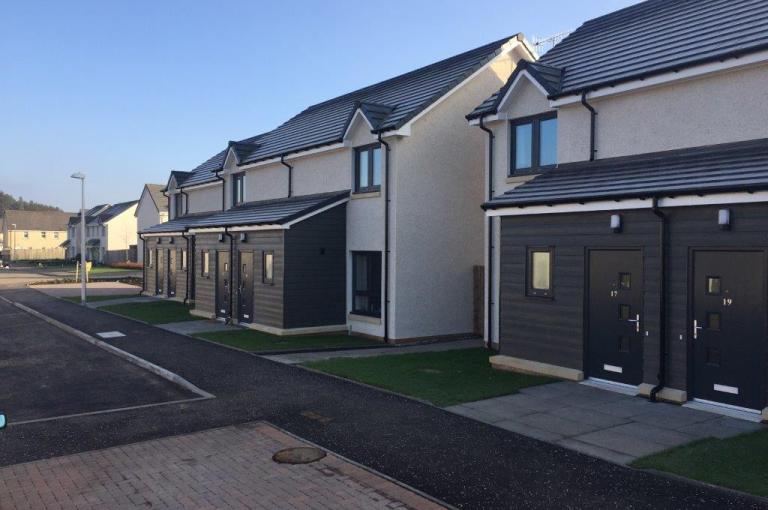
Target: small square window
{"type": "Point", "coordinates": [713, 321]}
{"type": "Point", "coordinates": [539, 272]}
{"type": "Point", "coordinates": [625, 280]}
{"type": "Point", "coordinates": [625, 312]}
{"type": "Point", "coordinates": [268, 267]}
{"type": "Point", "coordinates": [625, 344]}
{"type": "Point", "coordinates": [713, 285]}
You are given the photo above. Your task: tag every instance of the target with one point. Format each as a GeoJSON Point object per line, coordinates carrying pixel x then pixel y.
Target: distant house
{"type": "Point", "coordinates": [152, 210]}
{"type": "Point", "coordinates": [34, 235]}
{"type": "Point", "coordinates": [110, 233]}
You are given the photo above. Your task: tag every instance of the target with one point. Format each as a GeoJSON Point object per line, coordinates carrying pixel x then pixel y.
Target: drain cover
{"type": "Point", "coordinates": [298, 455]}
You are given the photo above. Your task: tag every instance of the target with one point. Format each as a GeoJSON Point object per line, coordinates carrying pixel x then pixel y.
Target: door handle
{"type": "Point", "coordinates": [696, 329]}
{"type": "Point", "coordinates": [636, 320]}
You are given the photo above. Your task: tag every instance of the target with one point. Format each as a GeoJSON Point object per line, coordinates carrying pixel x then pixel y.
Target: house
{"type": "Point", "coordinates": [152, 210]}
{"type": "Point", "coordinates": [360, 214]}
{"type": "Point", "coordinates": [34, 235]}
{"type": "Point", "coordinates": [627, 181]}
{"type": "Point", "coordinates": [110, 231]}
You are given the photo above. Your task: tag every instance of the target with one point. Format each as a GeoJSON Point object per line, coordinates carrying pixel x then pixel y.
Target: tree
{"type": "Point", "coordinates": [7, 202]}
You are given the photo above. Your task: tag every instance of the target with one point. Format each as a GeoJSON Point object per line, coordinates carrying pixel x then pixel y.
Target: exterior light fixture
{"type": "Point", "coordinates": [724, 219]}
{"type": "Point", "coordinates": [616, 223]}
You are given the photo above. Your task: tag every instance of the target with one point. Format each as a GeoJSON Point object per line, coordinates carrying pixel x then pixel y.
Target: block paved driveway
{"type": "Point", "coordinates": [229, 467]}
{"type": "Point", "coordinates": [45, 372]}
{"type": "Point", "coordinates": [606, 424]}
{"type": "Point", "coordinates": [461, 461]}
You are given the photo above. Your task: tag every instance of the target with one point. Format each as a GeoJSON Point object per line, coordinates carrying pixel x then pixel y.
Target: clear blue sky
{"type": "Point", "coordinates": [127, 91]}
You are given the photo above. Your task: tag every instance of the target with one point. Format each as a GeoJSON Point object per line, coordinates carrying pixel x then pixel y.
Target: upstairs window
{"type": "Point", "coordinates": [178, 205]}
{"type": "Point", "coordinates": [55, 235]}
{"type": "Point", "coordinates": [26, 235]}
{"type": "Point", "coordinates": [238, 191]}
{"type": "Point", "coordinates": [534, 143]}
{"type": "Point", "coordinates": [368, 169]}
{"type": "Point", "coordinates": [43, 234]}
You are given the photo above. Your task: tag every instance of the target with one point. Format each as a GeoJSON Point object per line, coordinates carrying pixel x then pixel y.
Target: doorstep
{"type": "Point", "coordinates": [599, 422]}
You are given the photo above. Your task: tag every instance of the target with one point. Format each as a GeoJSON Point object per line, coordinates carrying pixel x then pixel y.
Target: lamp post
{"type": "Point", "coordinates": [81, 176]}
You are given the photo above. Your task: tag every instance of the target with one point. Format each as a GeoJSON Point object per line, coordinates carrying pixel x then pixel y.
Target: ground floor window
{"type": "Point", "coordinates": [183, 260]}
{"type": "Point", "coordinates": [366, 283]}
{"type": "Point", "coordinates": [268, 267]}
{"type": "Point", "coordinates": [539, 272]}
{"type": "Point", "coordinates": [151, 261]}
{"type": "Point", "coordinates": [206, 262]}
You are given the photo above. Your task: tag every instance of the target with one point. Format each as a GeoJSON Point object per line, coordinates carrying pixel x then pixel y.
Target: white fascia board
{"type": "Point", "coordinates": [271, 226]}
{"type": "Point", "coordinates": [203, 185]}
{"type": "Point", "coordinates": [486, 119]}
{"type": "Point", "coordinates": [294, 155]}
{"type": "Point", "coordinates": [507, 47]}
{"type": "Point", "coordinates": [316, 212]}
{"type": "Point", "coordinates": [162, 234]}
{"type": "Point", "coordinates": [674, 76]}
{"type": "Point", "coordinates": [357, 113]}
{"type": "Point", "coordinates": [637, 203]}
{"type": "Point", "coordinates": [601, 205]}
{"type": "Point", "coordinates": [523, 74]}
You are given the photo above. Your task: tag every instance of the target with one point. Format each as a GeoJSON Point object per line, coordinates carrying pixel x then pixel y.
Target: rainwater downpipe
{"type": "Point", "coordinates": [662, 376]}
{"type": "Point", "coordinates": [186, 200]}
{"type": "Point", "coordinates": [386, 237]}
{"type": "Point", "coordinates": [290, 175]}
{"type": "Point", "coordinates": [186, 287]}
{"type": "Point", "coordinates": [592, 125]}
{"type": "Point", "coordinates": [231, 270]}
{"type": "Point", "coordinates": [489, 264]}
{"type": "Point", "coordinates": [223, 191]}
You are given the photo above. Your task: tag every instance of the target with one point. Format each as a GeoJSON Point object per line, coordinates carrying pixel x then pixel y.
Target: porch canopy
{"type": "Point", "coordinates": [733, 167]}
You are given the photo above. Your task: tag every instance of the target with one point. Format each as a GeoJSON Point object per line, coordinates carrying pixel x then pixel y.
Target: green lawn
{"type": "Point", "coordinates": [739, 462]}
{"type": "Point", "coordinates": [96, 270]}
{"type": "Point", "coordinates": [251, 340]}
{"type": "Point", "coordinates": [443, 378]}
{"type": "Point", "coordinates": [76, 299]}
{"type": "Point", "coordinates": [154, 312]}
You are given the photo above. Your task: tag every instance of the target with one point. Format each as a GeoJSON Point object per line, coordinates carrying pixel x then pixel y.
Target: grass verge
{"type": "Point", "coordinates": [443, 378]}
{"type": "Point", "coordinates": [154, 312]}
{"type": "Point", "coordinates": [76, 299]}
{"type": "Point", "coordinates": [258, 341]}
{"type": "Point", "coordinates": [739, 462]}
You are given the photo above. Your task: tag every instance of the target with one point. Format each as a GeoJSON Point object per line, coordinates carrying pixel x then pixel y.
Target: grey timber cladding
{"type": "Point", "coordinates": [552, 330]}
{"type": "Point", "coordinates": [315, 270]}
{"type": "Point", "coordinates": [205, 286]}
{"type": "Point", "coordinates": [727, 167]}
{"type": "Point", "coordinates": [648, 38]}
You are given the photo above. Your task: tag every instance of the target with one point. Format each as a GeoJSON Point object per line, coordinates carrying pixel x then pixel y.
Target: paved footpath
{"type": "Point", "coordinates": [453, 458]}
{"type": "Point", "coordinates": [230, 467]}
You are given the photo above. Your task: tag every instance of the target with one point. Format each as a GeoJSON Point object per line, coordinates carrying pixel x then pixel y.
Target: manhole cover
{"type": "Point", "coordinates": [298, 455]}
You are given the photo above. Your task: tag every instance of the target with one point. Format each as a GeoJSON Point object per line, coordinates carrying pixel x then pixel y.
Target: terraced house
{"type": "Point", "coordinates": [627, 181]}
{"type": "Point", "coordinates": [110, 233]}
{"type": "Point", "coordinates": [361, 213]}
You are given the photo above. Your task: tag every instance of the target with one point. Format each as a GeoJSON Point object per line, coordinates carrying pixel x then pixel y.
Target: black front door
{"type": "Point", "coordinates": [159, 272]}
{"type": "Point", "coordinates": [245, 287]}
{"type": "Point", "coordinates": [223, 281]}
{"type": "Point", "coordinates": [171, 258]}
{"type": "Point", "coordinates": [729, 327]}
{"type": "Point", "coordinates": [615, 338]}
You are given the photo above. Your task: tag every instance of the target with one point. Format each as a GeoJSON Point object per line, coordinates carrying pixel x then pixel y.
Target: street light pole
{"type": "Point", "coordinates": [81, 176]}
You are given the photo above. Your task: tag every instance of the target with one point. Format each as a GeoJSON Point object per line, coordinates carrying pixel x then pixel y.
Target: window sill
{"type": "Point", "coordinates": [364, 318]}
{"type": "Point", "coordinates": [365, 194]}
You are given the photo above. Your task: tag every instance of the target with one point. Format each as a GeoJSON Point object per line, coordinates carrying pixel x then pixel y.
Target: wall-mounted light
{"type": "Point", "coordinates": [616, 223]}
{"type": "Point", "coordinates": [724, 219]}
{"type": "Point", "coordinates": [243, 237]}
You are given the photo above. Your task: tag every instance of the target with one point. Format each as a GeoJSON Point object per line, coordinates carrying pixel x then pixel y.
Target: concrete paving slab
{"type": "Point", "coordinates": [531, 402]}
{"type": "Point", "coordinates": [94, 289]}
{"type": "Point", "coordinates": [562, 426]}
{"type": "Point", "coordinates": [655, 434]}
{"type": "Point", "coordinates": [628, 444]}
{"type": "Point", "coordinates": [530, 431]}
{"type": "Point", "coordinates": [673, 416]}
{"type": "Point", "coordinates": [596, 451]}
{"type": "Point", "coordinates": [588, 416]}
{"type": "Point", "coordinates": [721, 428]}
{"type": "Point", "coordinates": [507, 410]}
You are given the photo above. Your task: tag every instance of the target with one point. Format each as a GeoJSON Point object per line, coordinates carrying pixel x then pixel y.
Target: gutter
{"type": "Point", "coordinates": [662, 375]}
{"type": "Point", "coordinates": [223, 191]}
{"type": "Point", "coordinates": [592, 123]}
{"type": "Point", "coordinates": [386, 237]}
{"type": "Point", "coordinates": [489, 264]}
{"type": "Point", "coordinates": [231, 270]}
{"type": "Point", "coordinates": [290, 175]}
